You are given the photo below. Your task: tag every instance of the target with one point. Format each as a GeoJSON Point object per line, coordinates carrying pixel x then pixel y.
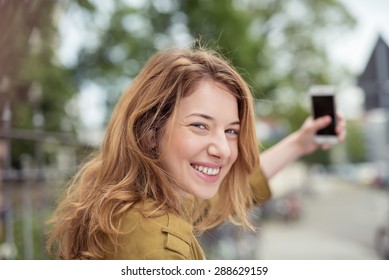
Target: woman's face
{"type": "Point", "coordinates": [203, 144]}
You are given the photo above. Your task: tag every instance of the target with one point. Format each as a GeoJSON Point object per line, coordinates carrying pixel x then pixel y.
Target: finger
{"type": "Point", "coordinates": [340, 127]}
{"type": "Point", "coordinates": [321, 122]}
{"type": "Point", "coordinates": [342, 135]}
{"type": "Point", "coordinates": [339, 116]}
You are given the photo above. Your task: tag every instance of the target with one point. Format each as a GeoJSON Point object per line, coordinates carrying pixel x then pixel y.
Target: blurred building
{"type": "Point", "coordinates": [374, 81]}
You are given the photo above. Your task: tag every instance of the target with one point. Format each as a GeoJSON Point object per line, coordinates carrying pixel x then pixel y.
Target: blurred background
{"type": "Point", "coordinates": [63, 65]}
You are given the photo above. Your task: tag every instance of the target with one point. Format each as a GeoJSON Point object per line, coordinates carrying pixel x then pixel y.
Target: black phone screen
{"type": "Point", "coordinates": [323, 105]}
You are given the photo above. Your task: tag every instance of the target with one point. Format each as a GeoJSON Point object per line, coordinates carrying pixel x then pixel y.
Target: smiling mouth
{"type": "Point", "coordinates": [206, 170]}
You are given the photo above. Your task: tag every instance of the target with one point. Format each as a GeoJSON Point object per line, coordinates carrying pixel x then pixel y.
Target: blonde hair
{"type": "Point", "coordinates": [126, 169]}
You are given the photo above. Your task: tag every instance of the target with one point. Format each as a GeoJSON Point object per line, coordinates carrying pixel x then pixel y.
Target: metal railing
{"type": "Point", "coordinates": [27, 192]}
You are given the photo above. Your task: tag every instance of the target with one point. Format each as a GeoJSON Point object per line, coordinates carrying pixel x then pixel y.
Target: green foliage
{"type": "Point", "coordinates": [355, 145]}
{"type": "Point", "coordinates": [38, 241]}
{"type": "Point", "coordinates": [36, 234]}
{"type": "Point", "coordinates": [32, 81]}
{"type": "Point", "coordinates": [278, 46]}
{"type": "Point", "coordinates": [318, 157]}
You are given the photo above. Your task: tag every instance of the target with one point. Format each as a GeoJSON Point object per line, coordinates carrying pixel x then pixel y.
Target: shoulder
{"type": "Point", "coordinates": [164, 237]}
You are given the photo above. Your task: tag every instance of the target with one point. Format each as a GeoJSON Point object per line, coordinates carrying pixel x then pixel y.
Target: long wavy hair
{"type": "Point", "coordinates": [126, 169]}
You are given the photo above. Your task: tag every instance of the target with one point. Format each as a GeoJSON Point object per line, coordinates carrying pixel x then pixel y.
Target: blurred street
{"type": "Point", "coordinates": [338, 220]}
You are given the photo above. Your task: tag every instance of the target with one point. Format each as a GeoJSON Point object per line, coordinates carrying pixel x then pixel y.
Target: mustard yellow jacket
{"type": "Point", "coordinates": [169, 236]}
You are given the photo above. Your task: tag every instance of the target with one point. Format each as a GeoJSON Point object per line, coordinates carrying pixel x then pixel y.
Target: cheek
{"type": "Point", "coordinates": [234, 152]}
{"type": "Point", "coordinates": [177, 149]}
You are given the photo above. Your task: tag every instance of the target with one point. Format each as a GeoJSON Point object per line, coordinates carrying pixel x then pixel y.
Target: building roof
{"type": "Point", "coordinates": [374, 80]}
{"type": "Point", "coordinates": [378, 63]}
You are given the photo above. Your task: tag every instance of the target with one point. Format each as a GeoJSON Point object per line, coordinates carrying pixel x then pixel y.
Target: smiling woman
{"type": "Point", "coordinates": [175, 161]}
{"type": "Point", "coordinates": [207, 121]}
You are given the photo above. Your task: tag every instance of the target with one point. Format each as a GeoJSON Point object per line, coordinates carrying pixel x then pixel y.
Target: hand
{"type": "Point", "coordinates": [299, 143]}
{"type": "Point", "coordinates": [306, 134]}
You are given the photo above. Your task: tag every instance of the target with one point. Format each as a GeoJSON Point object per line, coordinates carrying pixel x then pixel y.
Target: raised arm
{"type": "Point", "coordinates": [298, 144]}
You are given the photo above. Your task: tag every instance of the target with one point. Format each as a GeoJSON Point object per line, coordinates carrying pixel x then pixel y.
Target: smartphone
{"type": "Point", "coordinates": [323, 104]}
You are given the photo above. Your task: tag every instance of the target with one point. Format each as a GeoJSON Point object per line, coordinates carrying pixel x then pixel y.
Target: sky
{"type": "Point", "coordinates": [354, 48]}
{"type": "Point", "coordinates": [351, 49]}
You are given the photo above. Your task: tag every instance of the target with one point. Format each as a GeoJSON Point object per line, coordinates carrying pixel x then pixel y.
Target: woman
{"type": "Point", "coordinates": [175, 161]}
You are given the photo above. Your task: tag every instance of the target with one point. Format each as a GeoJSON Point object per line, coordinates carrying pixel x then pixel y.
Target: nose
{"type": "Point", "coordinates": [219, 146]}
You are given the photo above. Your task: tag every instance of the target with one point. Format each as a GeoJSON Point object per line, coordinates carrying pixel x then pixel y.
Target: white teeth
{"type": "Point", "coordinates": [207, 170]}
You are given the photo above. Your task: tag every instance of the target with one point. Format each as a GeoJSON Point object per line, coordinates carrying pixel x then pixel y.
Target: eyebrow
{"type": "Point", "coordinates": [207, 117]}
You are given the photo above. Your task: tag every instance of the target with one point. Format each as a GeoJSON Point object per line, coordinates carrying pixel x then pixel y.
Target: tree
{"type": "Point", "coordinates": [278, 46]}
{"type": "Point", "coordinates": [34, 85]}
{"type": "Point", "coordinates": [35, 90]}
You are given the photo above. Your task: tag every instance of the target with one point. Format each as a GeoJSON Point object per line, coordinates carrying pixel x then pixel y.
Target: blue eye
{"type": "Point", "coordinates": [199, 125]}
{"type": "Point", "coordinates": [232, 131]}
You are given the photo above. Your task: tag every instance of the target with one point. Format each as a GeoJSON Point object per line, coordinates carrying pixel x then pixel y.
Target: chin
{"type": "Point", "coordinates": [206, 195]}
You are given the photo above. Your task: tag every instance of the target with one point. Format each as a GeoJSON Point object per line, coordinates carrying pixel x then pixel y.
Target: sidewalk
{"type": "Point", "coordinates": [339, 220]}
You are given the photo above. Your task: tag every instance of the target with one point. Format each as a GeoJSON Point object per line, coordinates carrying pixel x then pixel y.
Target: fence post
{"type": "Point", "coordinates": [28, 233]}
{"type": "Point", "coordinates": [9, 248]}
